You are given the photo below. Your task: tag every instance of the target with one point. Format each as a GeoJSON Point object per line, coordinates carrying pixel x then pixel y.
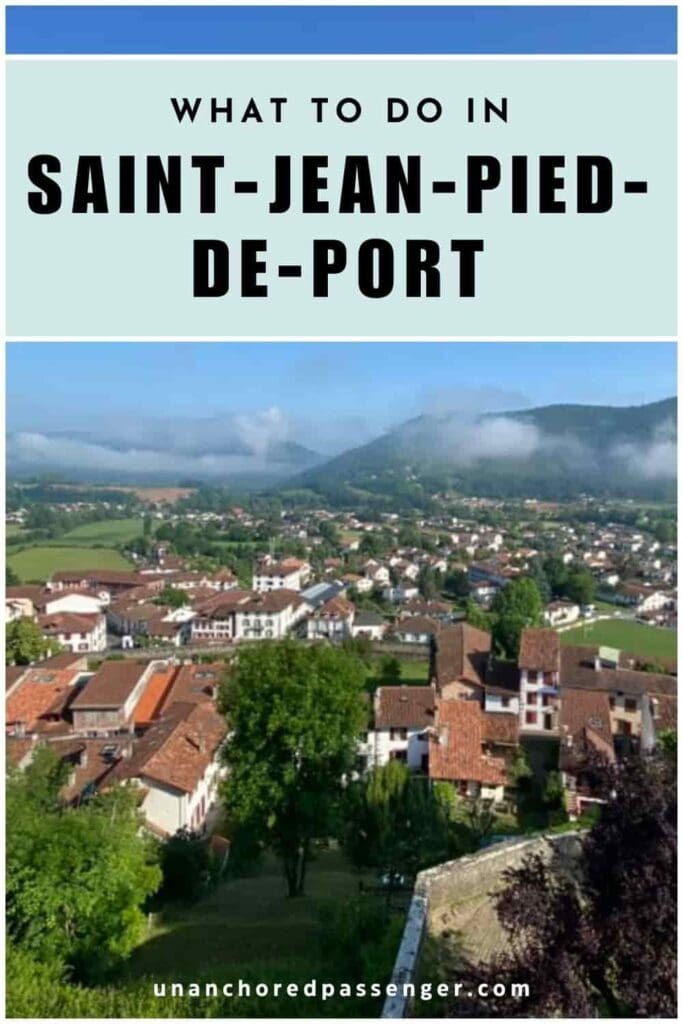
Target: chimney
{"type": "Point", "coordinates": [597, 664]}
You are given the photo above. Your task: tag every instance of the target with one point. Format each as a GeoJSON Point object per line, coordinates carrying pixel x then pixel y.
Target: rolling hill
{"type": "Point", "coordinates": [550, 452]}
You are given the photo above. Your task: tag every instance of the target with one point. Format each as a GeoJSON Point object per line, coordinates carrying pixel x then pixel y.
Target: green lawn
{"type": "Point", "coordinates": [246, 920]}
{"type": "Point", "coordinates": [108, 532]}
{"type": "Point", "coordinates": [633, 637]}
{"type": "Point", "coordinates": [37, 564]}
{"type": "Point", "coordinates": [414, 672]}
{"type": "Point", "coordinates": [248, 929]}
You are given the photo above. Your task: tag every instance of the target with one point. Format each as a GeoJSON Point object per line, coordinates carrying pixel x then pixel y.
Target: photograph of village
{"type": "Point", "coordinates": [341, 680]}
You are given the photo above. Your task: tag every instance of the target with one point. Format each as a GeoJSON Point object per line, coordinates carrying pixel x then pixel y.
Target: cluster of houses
{"type": "Point", "coordinates": [467, 726]}
{"type": "Point", "coordinates": [152, 724]}
{"type": "Point", "coordinates": [89, 611]}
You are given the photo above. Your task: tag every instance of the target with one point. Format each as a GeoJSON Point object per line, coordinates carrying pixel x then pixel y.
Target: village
{"type": "Point", "coordinates": [126, 684]}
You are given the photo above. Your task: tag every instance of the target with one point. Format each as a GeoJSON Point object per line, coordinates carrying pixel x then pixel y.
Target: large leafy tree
{"type": "Point", "coordinates": [394, 821]}
{"type": "Point", "coordinates": [515, 607]}
{"type": "Point", "coordinates": [76, 878]}
{"type": "Point", "coordinates": [602, 943]}
{"type": "Point", "coordinates": [295, 714]}
{"type": "Point", "coordinates": [24, 643]}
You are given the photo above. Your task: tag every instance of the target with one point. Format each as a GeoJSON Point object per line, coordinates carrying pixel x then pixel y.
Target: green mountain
{"type": "Point", "coordinates": [550, 452]}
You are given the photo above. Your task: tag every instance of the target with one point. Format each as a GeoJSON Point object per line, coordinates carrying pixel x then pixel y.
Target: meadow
{"type": "Point", "coordinates": [627, 635]}
{"type": "Point", "coordinates": [37, 564]}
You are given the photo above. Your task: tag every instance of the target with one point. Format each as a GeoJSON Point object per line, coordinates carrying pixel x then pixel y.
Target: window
{"type": "Point", "coordinates": [630, 704]}
{"type": "Point", "coordinates": [505, 702]}
{"type": "Point", "coordinates": [399, 755]}
{"type": "Point", "coordinates": [398, 734]}
{"type": "Point", "coordinates": [532, 698]}
{"type": "Point", "coordinates": [530, 718]}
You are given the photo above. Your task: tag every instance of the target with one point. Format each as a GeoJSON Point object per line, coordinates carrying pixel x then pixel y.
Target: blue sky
{"type": "Point", "coordinates": [417, 28]}
{"type": "Point", "coordinates": [326, 395]}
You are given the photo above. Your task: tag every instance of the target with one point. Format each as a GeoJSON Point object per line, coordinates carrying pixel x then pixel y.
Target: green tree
{"type": "Point", "coordinates": [538, 575]}
{"type": "Point", "coordinates": [11, 578]}
{"type": "Point", "coordinates": [428, 583]}
{"type": "Point", "coordinates": [665, 531]}
{"type": "Point", "coordinates": [329, 531]}
{"type": "Point", "coordinates": [76, 878]}
{"type": "Point", "coordinates": [185, 863]}
{"type": "Point", "coordinates": [580, 587]}
{"type": "Point", "coordinates": [388, 671]}
{"type": "Point", "coordinates": [476, 617]}
{"type": "Point", "coordinates": [394, 821]}
{"type": "Point", "coordinates": [172, 597]}
{"type": "Point", "coordinates": [295, 714]}
{"type": "Point", "coordinates": [24, 643]}
{"type": "Point", "coordinates": [456, 584]}
{"type": "Point", "coordinates": [515, 607]}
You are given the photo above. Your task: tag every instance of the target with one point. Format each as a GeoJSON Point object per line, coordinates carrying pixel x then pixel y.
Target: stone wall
{"type": "Point", "coordinates": [452, 904]}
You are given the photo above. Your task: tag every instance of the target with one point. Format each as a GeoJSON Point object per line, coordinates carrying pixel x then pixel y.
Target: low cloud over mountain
{"type": "Point", "coordinates": [213, 447]}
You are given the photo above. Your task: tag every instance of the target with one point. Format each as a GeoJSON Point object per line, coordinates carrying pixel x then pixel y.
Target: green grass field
{"type": "Point", "coordinates": [109, 532]}
{"type": "Point", "coordinates": [633, 637]}
{"type": "Point", "coordinates": [246, 920]}
{"type": "Point", "coordinates": [414, 672]}
{"type": "Point", "coordinates": [35, 565]}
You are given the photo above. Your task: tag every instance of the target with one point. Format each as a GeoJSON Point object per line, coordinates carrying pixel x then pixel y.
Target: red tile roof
{"type": "Point", "coordinates": [40, 691]}
{"type": "Point", "coordinates": [404, 707]}
{"type": "Point", "coordinates": [195, 684]}
{"type": "Point", "coordinates": [456, 751]}
{"type": "Point", "coordinates": [584, 726]}
{"type": "Point", "coordinates": [501, 727]}
{"type": "Point", "coordinates": [336, 608]}
{"type": "Point", "coordinates": [177, 749]}
{"type": "Point", "coordinates": [462, 653]}
{"type": "Point", "coordinates": [69, 622]}
{"type": "Point", "coordinates": [111, 686]}
{"type": "Point", "coordinates": [154, 696]}
{"type": "Point", "coordinates": [539, 650]}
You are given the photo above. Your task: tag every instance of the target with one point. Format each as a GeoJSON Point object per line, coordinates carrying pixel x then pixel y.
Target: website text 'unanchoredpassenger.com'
{"type": "Point", "coordinates": [324, 990]}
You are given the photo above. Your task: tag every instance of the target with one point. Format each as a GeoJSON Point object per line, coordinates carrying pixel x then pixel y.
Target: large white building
{"type": "Point", "coordinates": [242, 615]}
{"type": "Point", "coordinates": [289, 574]}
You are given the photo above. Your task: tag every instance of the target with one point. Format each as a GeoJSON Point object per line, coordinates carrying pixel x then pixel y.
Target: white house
{"type": "Point", "coordinates": [539, 680]}
{"type": "Point", "coordinates": [242, 615]}
{"type": "Point", "coordinates": [403, 592]}
{"type": "Point", "coordinates": [82, 633]}
{"type": "Point", "coordinates": [77, 602]}
{"type": "Point", "coordinates": [416, 630]}
{"type": "Point", "coordinates": [289, 574]}
{"type": "Point", "coordinates": [177, 763]}
{"type": "Point", "coordinates": [332, 620]}
{"type": "Point", "coordinates": [369, 624]}
{"type": "Point", "coordinates": [401, 717]}
{"type": "Point", "coordinates": [561, 613]}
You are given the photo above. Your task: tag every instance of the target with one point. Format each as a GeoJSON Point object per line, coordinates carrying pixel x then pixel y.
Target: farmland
{"type": "Point", "coordinates": [633, 637]}
{"type": "Point", "coordinates": [37, 564]}
{"type": "Point", "coordinates": [108, 532]}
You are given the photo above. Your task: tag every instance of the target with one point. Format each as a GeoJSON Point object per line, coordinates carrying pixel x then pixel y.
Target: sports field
{"type": "Point", "coordinates": [633, 637]}
{"type": "Point", "coordinates": [35, 565]}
